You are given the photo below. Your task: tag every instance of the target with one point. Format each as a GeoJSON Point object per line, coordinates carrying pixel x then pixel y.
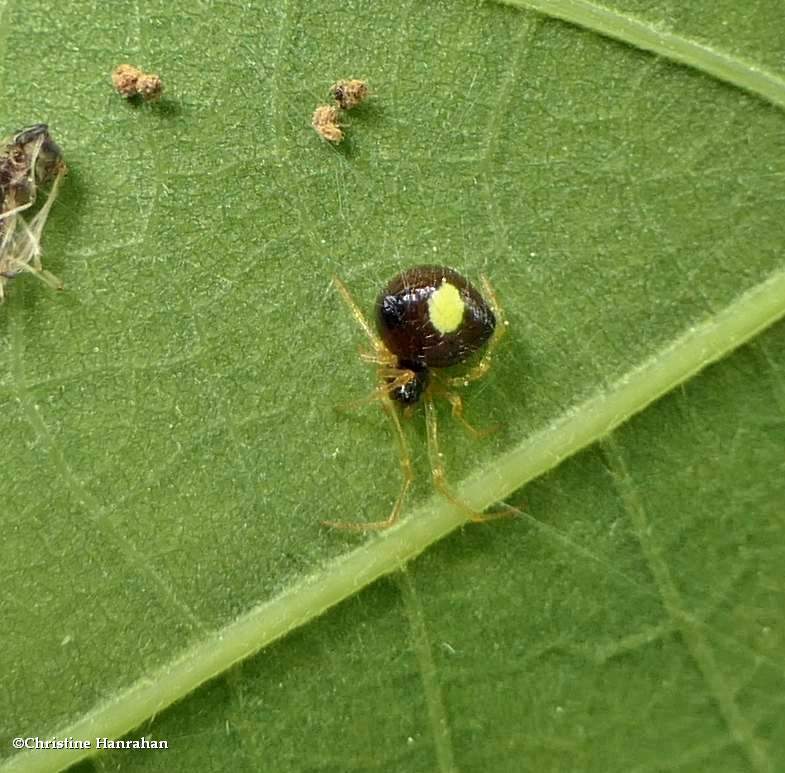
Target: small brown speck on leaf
{"type": "Point", "coordinates": [326, 122]}
{"type": "Point", "coordinates": [130, 81]}
{"type": "Point", "coordinates": [349, 93]}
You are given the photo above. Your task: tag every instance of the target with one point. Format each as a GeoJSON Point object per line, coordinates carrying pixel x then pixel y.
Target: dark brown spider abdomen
{"type": "Point", "coordinates": [432, 317]}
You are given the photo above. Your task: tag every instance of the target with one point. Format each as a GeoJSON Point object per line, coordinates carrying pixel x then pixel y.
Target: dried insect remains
{"type": "Point", "coordinates": [326, 121]}
{"type": "Point", "coordinates": [349, 93]}
{"type": "Point", "coordinates": [130, 81]}
{"type": "Point", "coordinates": [29, 159]}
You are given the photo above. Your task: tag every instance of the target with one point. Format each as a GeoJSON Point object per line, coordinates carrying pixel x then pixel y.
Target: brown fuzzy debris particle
{"type": "Point", "coordinates": [326, 123]}
{"type": "Point", "coordinates": [130, 81]}
{"type": "Point", "coordinates": [349, 93]}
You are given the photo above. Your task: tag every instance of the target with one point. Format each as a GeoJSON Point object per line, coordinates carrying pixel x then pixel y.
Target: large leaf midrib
{"type": "Point", "coordinates": [678, 48]}
{"type": "Point", "coordinates": [578, 427]}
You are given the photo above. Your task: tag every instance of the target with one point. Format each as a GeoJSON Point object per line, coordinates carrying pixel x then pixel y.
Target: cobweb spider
{"type": "Point", "coordinates": [429, 318]}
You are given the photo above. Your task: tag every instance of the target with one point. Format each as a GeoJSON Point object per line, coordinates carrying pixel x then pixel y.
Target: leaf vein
{"type": "Point", "coordinates": [496, 115]}
{"type": "Point", "coordinates": [124, 545]}
{"type": "Point", "coordinates": [697, 644]}
{"type": "Point", "coordinates": [278, 80]}
{"type": "Point", "coordinates": [645, 35]}
{"type": "Point", "coordinates": [578, 427]}
{"type": "Point", "coordinates": [440, 729]}
{"type": "Point", "coordinates": [5, 28]}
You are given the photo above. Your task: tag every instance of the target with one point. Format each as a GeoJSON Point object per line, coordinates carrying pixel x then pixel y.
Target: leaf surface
{"type": "Point", "coordinates": [171, 438]}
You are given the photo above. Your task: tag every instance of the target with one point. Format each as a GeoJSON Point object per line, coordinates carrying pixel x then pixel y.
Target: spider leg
{"type": "Point", "coordinates": [439, 474]}
{"type": "Point", "coordinates": [378, 345]}
{"type": "Point", "coordinates": [456, 403]}
{"type": "Point", "coordinates": [386, 358]}
{"type": "Point", "coordinates": [406, 469]}
{"type": "Point", "coordinates": [398, 378]}
{"type": "Point", "coordinates": [392, 378]}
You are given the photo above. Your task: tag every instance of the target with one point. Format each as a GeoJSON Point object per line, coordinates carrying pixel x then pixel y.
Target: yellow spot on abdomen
{"type": "Point", "coordinates": [445, 308]}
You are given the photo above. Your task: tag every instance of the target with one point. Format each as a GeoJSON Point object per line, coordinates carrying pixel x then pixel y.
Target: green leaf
{"type": "Point", "coordinates": [171, 438]}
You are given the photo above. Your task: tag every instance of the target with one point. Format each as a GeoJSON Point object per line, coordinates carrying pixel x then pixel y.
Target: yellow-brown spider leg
{"type": "Point", "coordinates": [408, 477]}
{"type": "Point", "coordinates": [399, 377]}
{"type": "Point", "coordinates": [440, 477]}
{"type": "Point", "coordinates": [482, 367]}
{"type": "Point", "coordinates": [456, 403]}
{"type": "Point", "coordinates": [378, 345]}
{"type": "Point", "coordinates": [385, 358]}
